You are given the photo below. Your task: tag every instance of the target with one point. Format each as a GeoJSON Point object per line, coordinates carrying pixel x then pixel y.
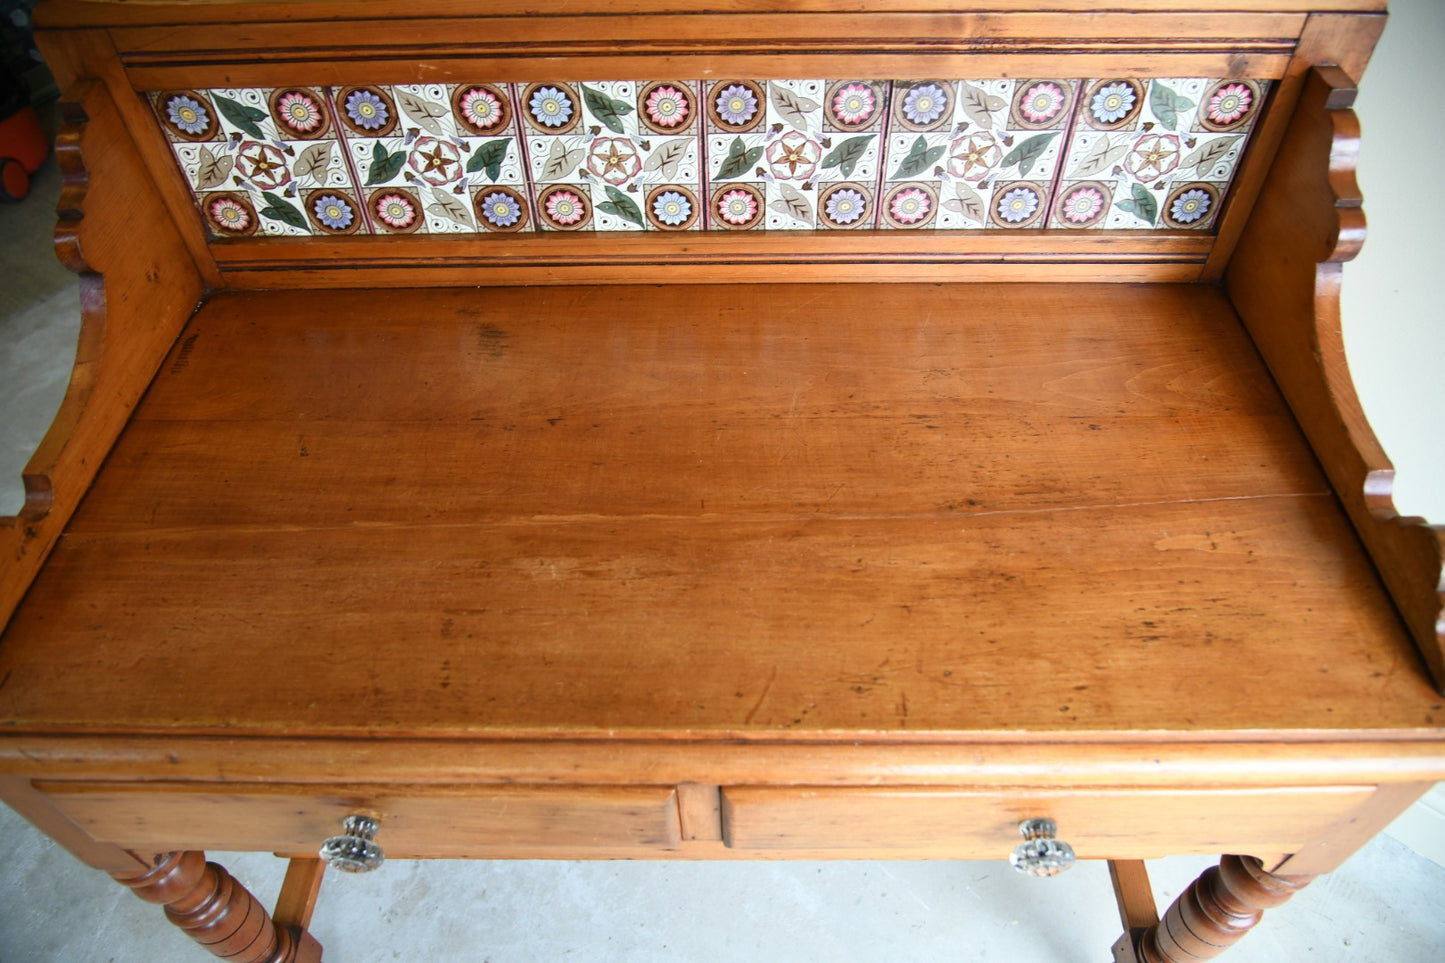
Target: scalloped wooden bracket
{"type": "Point", "coordinates": [138, 287]}
{"type": "Point", "coordinates": [1284, 280]}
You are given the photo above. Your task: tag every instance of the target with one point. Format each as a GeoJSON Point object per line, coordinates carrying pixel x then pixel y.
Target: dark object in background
{"type": "Point", "coordinates": [23, 142]}
{"type": "Point", "coordinates": [23, 145]}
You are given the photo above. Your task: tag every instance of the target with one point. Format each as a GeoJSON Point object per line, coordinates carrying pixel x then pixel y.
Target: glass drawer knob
{"type": "Point", "coordinates": [353, 851]}
{"type": "Point", "coordinates": [1041, 854]}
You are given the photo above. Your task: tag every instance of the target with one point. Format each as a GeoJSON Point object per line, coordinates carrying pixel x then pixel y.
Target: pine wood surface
{"type": "Point", "coordinates": [138, 287]}
{"type": "Point", "coordinates": [1133, 893]}
{"type": "Point", "coordinates": [677, 31]}
{"type": "Point", "coordinates": [713, 257]}
{"type": "Point", "coordinates": [1346, 40]}
{"type": "Point", "coordinates": [417, 822]}
{"type": "Point", "coordinates": [332, 43]}
{"type": "Point", "coordinates": [742, 43]}
{"type": "Point", "coordinates": [1122, 824]}
{"type": "Point", "coordinates": [1000, 759]}
{"type": "Point", "coordinates": [85, 13]}
{"type": "Point", "coordinates": [87, 58]}
{"type": "Point", "coordinates": [1291, 307]}
{"type": "Point", "coordinates": [604, 822]}
{"type": "Point", "coordinates": [1329, 849]}
{"type": "Point", "coordinates": [750, 510]}
{"type": "Point", "coordinates": [730, 570]}
{"type": "Point", "coordinates": [1096, 59]}
{"type": "Point", "coordinates": [299, 891]}
{"type": "Point", "coordinates": [720, 404]}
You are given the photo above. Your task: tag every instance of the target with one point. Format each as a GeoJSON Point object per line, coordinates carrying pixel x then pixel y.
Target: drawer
{"type": "Point", "coordinates": [416, 822]}
{"type": "Point", "coordinates": [959, 824]}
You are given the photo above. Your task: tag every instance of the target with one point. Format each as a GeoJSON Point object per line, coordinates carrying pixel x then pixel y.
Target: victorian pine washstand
{"type": "Point", "coordinates": [780, 430]}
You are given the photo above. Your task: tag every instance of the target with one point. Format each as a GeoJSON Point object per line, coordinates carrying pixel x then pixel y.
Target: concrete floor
{"type": "Point", "coordinates": [1383, 906]}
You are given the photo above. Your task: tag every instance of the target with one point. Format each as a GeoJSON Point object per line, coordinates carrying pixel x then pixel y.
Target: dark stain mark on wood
{"type": "Point", "coordinates": [492, 340]}
{"type": "Point", "coordinates": [183, 356]}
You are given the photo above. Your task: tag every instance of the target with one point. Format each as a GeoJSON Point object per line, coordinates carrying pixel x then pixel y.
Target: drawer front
{"type": "Point", "coordinates": [954, 824]}
{"type": "Point", "coordinates": [486, 821]}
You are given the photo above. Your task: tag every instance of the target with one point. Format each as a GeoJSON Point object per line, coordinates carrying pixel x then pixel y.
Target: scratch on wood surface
{"type": "Point", "coordinates": [747, 720]}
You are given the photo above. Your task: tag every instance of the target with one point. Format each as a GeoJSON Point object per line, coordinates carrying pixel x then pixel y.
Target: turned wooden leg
{"type": "Point", "coordinates": [1216, 910]}
{"type": "Point", "coordinates": [218, 912]}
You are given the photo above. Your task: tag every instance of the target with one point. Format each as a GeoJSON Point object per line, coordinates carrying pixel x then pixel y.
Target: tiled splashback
{"type": "Point", "coordinates": [671, 155]}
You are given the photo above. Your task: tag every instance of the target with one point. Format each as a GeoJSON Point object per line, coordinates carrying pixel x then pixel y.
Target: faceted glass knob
{"type": "Point", "coordinates": [1040, 854]}
{"type": "Point", "coordinates": [353, 851]}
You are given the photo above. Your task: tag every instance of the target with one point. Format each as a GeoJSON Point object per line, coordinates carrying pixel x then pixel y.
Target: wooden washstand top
{"type": "Point", "coordinates": [743, 511]}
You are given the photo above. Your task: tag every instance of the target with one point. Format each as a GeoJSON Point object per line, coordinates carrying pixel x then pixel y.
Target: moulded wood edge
{"type": "Point", "coordinates": [609, 758]}
{"type": "Point", "coordinates": [830, 257]}
{"type": "Point", "coordinates": [87, 13]}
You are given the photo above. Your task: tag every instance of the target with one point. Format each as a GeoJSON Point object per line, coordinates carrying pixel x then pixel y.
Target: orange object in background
{"type": "Point", "coordinates": [23, 148]}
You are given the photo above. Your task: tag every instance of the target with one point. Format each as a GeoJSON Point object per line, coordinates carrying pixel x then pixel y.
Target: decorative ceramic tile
{"type": "Point", "coordinates": [1154, 154]}
{"type": "Point", "coordinates": [435, 158]}
{"type": "Point", "coordinates": [731, 154]}
{"type": "Point", "coordinates": [973, 154]}
{"type": "Point", "coordinates": [615, 155]}
{"type": "Point", "coordinates": [263, 161]}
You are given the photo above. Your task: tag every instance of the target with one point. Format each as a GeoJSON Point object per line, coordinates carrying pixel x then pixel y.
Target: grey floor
{"type": "Point", "coordinates": [1383, 906]}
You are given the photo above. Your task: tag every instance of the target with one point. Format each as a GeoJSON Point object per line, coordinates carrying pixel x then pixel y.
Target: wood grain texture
{"type": "Point", "coordinates": [1132, 892]}
{"type": "Point", "coordinates": [89, 56]}
{"type": "Point", "coordinates": [1008, 758]}
{"type": "Point", "coordinates": [894, 45]}
{"type": "Point", "coordinates": [952, 824]}
{"type": "Point", "coordinates": [734, 570]}
{"type": "Point", "coordinates": [73, 13]}
{"type": "Point", "coordinates": [1285, 279]}
{"type": "Point", "coordinates": [710, 403]}
{"type": "Point", "coordinates": [317, 45]}
{"type": "Point", "coordinates": [1102, 60]}
{"type": "Point", "coordinates": [712, 258]}
{"type": "Point", "coordinates": [533, 822]}
{"type": "Point", "coordinates": [416, 822]}
{"type": "Point", "coordinates": [700, 811]}
{"type": "Point", "coordinates": [1345, 40]}
{"type": "Point", "coordinates": [19, 794]}
{"type": "Point", "coordinates": [1325, 853]}
{"type": "Point", "coordinates": [287, 273]}
{"type": "Point", "coordinates": [138, 286]}
{"type": "Point", "coordinates": [571, 509]}
{"type": "Point", "coordinates": [717, 34]}
{"type": "Point", "coordinates": [299, 891]}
